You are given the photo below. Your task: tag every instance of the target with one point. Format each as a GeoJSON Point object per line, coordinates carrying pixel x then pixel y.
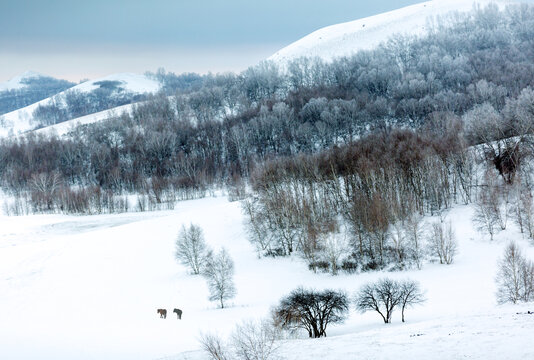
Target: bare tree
{"type": "Point", "coordinates": [410, 295]}
{"type": "Point", "coordinates": [443, 242]}
{"type": "Point", "coordinates": [382, 297]}
{"type": "Point", "coordinates": [219, 273]}
{"type": "Point", "coordinates": [191, 248]}
{"type": "Point", "coordinates": [515, 279]}
{"type": "Point", "coordinates": [311, 310]}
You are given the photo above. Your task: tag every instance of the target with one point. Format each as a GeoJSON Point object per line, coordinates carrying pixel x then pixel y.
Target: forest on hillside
{"type": "Point", "coordinates": [395, 124]}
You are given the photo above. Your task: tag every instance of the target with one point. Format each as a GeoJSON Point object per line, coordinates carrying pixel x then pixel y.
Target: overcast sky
{"type": "Point", "coordinates": [86, 39]}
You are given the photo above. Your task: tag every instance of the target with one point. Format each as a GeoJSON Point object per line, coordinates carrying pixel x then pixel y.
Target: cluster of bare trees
{"type": "Point", "coordinates": [193, 252]}
{"type": "Point", "coordinates": [311, 311]}
{"type": "Point", "coordinates": [499, 202]}
{"type": "Point", "coordinates": [361, 205]}
{"type": "Point", "coordinates": [314, 310]}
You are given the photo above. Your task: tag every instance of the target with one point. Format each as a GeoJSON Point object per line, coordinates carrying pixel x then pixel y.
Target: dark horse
{"type": "Point", "coordinates": [162, 313]}
{"type": "Point", "coordinates": [178, 313]}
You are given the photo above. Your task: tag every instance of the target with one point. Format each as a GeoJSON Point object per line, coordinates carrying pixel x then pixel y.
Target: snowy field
{"type": "Point", "coordinates": [87, 287]}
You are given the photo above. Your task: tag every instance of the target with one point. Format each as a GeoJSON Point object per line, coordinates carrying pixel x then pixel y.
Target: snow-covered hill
{"type": "Point", "coordinates": [347, 38]}
{"type": "Point", "coordinates": [20, 120]}
{"type": "Point", "coordinates": [18, 81]}
{"type": "Point", "coordinates": [87, 287]}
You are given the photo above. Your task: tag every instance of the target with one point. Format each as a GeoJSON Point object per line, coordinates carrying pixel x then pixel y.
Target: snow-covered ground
{"type": "Point", "coordinates": [348, 38]}
{"type": "Point", "coordinates": [87, 287]}
{"type": "Point", "coordinates": [20, 120]}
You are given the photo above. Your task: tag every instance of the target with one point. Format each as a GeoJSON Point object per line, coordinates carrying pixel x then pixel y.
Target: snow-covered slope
{"type": "Point", "coordinates": [87, 287]}
{"type": "Point", "coordinates": [347, 38]}
{"type": "Point", "coordinates": [64, 127]}
{"type": "Point", "coordinates": [20, 120]}
{"type": "Point", "coordinates": [18, 81]}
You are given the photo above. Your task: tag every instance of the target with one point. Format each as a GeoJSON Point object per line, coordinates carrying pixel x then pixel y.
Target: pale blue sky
{"type": "Point", "coordinates": [78, 39]}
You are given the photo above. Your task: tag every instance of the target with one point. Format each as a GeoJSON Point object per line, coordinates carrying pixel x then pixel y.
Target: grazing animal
{"type": "Point", "coordinates": [178, 313]}
{"type": "Point", "coordinates": [162, 313]}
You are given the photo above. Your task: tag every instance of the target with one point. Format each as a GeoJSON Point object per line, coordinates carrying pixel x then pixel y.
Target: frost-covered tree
{"type": "Point", "coordinates": [442, 242]}
{"type": "Point", "coordinates": [191, 248]}
{"type": "Point", "coordinates": [515, 279]}
{"type": "Point", "coordinates": [219, 273]}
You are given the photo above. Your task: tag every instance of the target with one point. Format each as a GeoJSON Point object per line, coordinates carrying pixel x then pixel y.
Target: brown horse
{"type": "Point", "coordinates": [162, 313]}
{"type": "Point", "coordinates": [178, 313]}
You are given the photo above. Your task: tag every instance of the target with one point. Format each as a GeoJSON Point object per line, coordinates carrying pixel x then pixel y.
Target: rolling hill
{"type": "Point", "coordinates": [21, 120]}
{"type": "Point", "coordinates": [347, 38]}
